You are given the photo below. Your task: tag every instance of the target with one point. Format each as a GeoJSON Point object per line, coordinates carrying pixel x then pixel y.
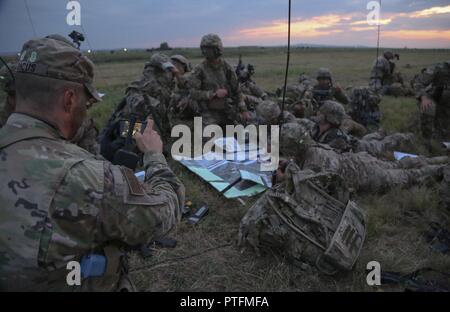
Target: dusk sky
{"type": "Point", "coordinates": [146, 23]}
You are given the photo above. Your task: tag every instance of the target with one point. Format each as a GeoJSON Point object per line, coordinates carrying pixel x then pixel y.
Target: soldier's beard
{"type": "Point", "coordinates": [78, 115]}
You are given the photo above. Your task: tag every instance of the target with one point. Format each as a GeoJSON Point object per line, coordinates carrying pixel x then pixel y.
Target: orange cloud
{"type": "Point", "coordinates": [312, 27]}
{"type": "Point", "coordinates": [431, 11]}
{"type": "Point", "coordinates": [385, 21]}
{"type": "Point", "coordinates": [418, 34]}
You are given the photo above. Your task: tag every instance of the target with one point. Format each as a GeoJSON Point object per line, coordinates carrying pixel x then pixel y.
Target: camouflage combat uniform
{"type": "Point", "coordinates": [361, 171]}
{"type": "Point", "coordinates": [252, 94]}
{"type": "Point", "coordinates": [434, 83]}
{"type": "Point", "coordinates": [59, 203]}
{"type": "Point", "coordinates": [87, 135]}
{"type": "Point", "coordinates": [381, 76]}
{"type": "Point", "coordinates": [299, 99]}
{"type": "Point", "coordinates": [364, 107]}
{"type": "Point", "coordinates": [151, 94]}
{"type": "Point", "coordinates": [207, 78]}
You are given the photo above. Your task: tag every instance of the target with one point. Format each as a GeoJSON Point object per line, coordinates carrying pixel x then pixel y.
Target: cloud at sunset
{"type": "Point", "coordinates": [398, 29]}
{"type": "Point", "coordinates": [145, 24]}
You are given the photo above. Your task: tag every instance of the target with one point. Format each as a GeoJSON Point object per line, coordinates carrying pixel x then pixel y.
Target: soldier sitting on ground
{"type": "Point", "coordinates": [432, 87]}
{"type": "Point", "coordinates": [361, 171]}
{"type": "Point", "coordinates": [328, 131]}
{"type": "Point", "coordinates": [87, 134]}
{"type": "Point", "coordinates": [214, 85]}
{"type": "Point", "coordinates": [148, 97]}
{"type": "Point", "coordinates": [298, 99]}
{"type": "Point", "coordinates": [60, 203]}
{"type": "Point", "coordinates": [251, 92]}
{"type": "Point", "coordinates": [383, 78]}
{"type": "Point", "coordinates": [364, 108]}
{"type": "Point", "coordinates": [326, 90]}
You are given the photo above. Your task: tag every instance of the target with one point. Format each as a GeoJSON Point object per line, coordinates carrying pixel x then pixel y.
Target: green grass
{"type": "Point", "coordinates": [397, 220]}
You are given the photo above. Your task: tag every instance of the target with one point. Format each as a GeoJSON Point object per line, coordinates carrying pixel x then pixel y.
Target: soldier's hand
{"type": "Point", "coordinates": [221, 93]}
{"type": "Point", "coordinates": [149, 141]}
{"type": "Point", "coordinates": [425, 103]}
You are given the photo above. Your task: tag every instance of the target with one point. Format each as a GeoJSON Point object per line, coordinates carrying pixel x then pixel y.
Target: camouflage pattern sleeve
{"type": "Point", "coordinates": [235, 91]}
{"type": "Point", "coordinates": [109, 204]}
{"type": "Point", "coordinates": [141, 212]}
{"type": "Point", "coordinates": [422, 83]}
{"type": "Point", "coordinates": [195, 81]}
{"type": "Point", "coordinates": [341, 96]}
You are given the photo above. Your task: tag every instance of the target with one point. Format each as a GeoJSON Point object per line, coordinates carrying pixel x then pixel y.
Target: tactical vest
{"type": "Point", "coordinates": [309, 219]}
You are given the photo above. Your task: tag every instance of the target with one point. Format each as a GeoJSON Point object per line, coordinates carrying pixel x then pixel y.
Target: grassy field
{"type": "Point", "coordinates": [206, 257]}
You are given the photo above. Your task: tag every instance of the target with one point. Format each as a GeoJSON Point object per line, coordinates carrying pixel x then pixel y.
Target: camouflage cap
{"type": "Point", "coordinates": [161, 61]}
{"type": "Point", "coordinates": [182, 60]}
{"type": "Point", "coordinates": [323, 73]}
{"type": "Point", "coordinates": [211, 40]}
{"type": "Point", "coordinates": [334, 112]}
{"type": "Point", "coordinates": [57, 59]}
{"type": "Point", "coordinates": [267, 111]}
{"type": "Point", "coordinates": [294, 139]}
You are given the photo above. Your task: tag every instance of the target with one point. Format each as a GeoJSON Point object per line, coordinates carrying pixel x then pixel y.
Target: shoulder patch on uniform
{"type": "Point", "coordinates": [134, 185]}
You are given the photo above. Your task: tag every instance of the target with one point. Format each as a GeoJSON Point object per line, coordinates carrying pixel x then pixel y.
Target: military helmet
{"type": "Point", "coordinates": [294, 139]}
{"type": "Point", "coordinates": [211, 40]}
{"type": "Point", "coordinates": [333, 111]}
{"type": "Point", "coordinates": [389, 55]}
{"type": "Point", "coordinates": [182, 60]}
{"type": "Point", "coordinates": [324, 73]}
{"type": "Point", "coordinates": [267, 111]}
{"type": "Point", "coordinates": [160, 61]}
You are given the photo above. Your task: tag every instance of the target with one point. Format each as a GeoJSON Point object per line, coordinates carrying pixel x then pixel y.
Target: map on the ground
{"type": "Point", "coordinates": [237, 174]}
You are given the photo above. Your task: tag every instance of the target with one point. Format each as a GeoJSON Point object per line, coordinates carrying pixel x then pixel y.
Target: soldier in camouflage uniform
{"type": "Point", "coordinates": [325, 90]}
{"type": "Point", "coordinates": [214, 85]}
{"type": "Point", "coordinates": [59, 203]}
{"type": "Point", "coordinates": [151, 94]}
{"type": "Point", "coordinates": [87, 134]}
{"type": "Point", "coordinates": [298, 98]}
{"type": "Point", "coordinates": [432, 87]}
{"type": "Point", "coordinates": [251, 92]}
{"type": "Point", "coordinates": [361, 171]}
{"type": "Point", "coordinates": [148, 97]}
{"type": "Point", "coordinates": [182, 109]}
{"type": "Point", "coordinates": [384, 79]}
{"type": "Point", "coordinates": [364, 107]}
{"type": "Point", "coordinates": [329, 131]}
